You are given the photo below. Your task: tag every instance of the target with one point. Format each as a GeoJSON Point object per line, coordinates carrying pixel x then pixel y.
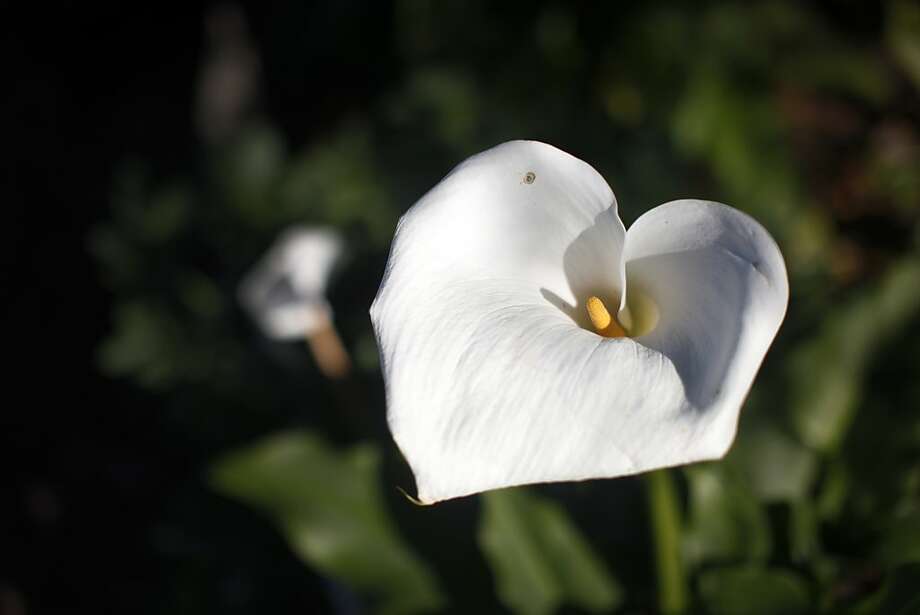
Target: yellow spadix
{"type": "Point", "coordinates": [604, 323]}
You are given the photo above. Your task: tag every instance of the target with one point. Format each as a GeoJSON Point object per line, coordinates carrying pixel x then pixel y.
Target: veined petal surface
{"type": "Point", "coordinates": [493, 378]}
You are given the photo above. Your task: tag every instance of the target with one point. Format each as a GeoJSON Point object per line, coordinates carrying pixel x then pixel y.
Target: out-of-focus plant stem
{"type": "Point", "coordinates": [666, 530]}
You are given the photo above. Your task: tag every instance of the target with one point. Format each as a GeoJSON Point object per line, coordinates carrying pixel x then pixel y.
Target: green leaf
{"type": "Point", "coordinates": [338, 182]}
{"type": "Point", "coordinates": [740, 137]}
{"type": "Point", "coordinates": [804, 542]}
{"type": "Point", "coordinates": [827, 371]}
{"type": "Point", "coordinates": [726, 522]}
{"type": "Point", "coordinates": [329, 506]}
{"type": "Point", "coordinates": [167, 213]}
{"type": "Point", "coordinates": [447, 99]}
{"type": "Point", "coordinates": [144, 345]}
{"type": "Point", "coordinates": [903, 34]}
{"type": "Point", "coordinates": [840, 67]}
{"type": "Point", "coordinates": [753, 591]}
{"type": "Point", "coordinates": [539, 558]}
{"type": "Point", "coordinates": [774, 465]}
{"type": "Point", "coordinates": [247, 173]}
{"type": "Point", "coordinates": [901, 540]}
{"type": "Point", "coordinates": [835, 488]}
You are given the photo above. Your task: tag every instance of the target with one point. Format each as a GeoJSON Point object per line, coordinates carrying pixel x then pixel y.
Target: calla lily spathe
{"type": "Point", "coordinates": [285, 292]}
{"type": "Point", "coordinates": [497, 374]}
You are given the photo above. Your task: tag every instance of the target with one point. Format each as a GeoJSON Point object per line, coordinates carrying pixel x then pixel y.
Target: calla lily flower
{"type": "Point", "coordinates": [285, 293]}
{"type": "Point", "coordinates": [526, 336]}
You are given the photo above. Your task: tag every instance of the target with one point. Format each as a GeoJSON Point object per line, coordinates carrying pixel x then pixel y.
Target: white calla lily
{"type": "Point", "coordinates": [285, 292]}
{"type": "Point", "coordinates": [527, 337]}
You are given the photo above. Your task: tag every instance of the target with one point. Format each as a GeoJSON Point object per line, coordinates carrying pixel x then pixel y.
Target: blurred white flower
{"type": "Point", "coordinates": [285, 293]}
{"type": "Point", "coordinates": [527, 337]}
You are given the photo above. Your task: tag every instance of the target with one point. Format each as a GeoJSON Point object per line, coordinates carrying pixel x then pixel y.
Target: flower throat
{"type": "Point", "coordinates": [638, 318]}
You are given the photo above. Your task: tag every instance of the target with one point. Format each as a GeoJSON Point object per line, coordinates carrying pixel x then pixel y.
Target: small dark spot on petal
{"type": "Point", "coordinates": [530, 177]}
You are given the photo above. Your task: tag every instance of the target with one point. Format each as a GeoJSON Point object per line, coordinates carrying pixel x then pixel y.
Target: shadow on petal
{"type": "Point", "coordinates": [593, 266]}
{"type": "Point", "coordinates": [703, 297]}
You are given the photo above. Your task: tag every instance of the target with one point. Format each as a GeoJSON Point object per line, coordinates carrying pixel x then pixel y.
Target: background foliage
{"type": "Point", "coordinates": [213, 471]}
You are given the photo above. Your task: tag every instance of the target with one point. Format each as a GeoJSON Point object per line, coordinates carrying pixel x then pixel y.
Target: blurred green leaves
{"type": "Point", "coordinates": [248, 172]}
{"type": "Point", "coordinates": [446, 100]}
{"type": "Point", "coordinates": [754, 591]}
{"type": "Point", "coordinates": [775, 467]}
{"type": "Point", "coordinates": [827, 372]}
{"type": "Point", "coordinates": [539, 558]}
{"type": "Point", "coordinates": [900, 543]}
{"type": "Point", "coordinates": [333, 183]}
{"type": "Point", "coordinates": [903, 36]}
{"type": "Point", "coordinates": [329, 506]}
{"type": "Point", "coordinates": [144, 345]}
{"type": "Point", "coordinates": [739, 134]}
{"type": "Point", "coordinates": [143, 216]}
{"type": "Point", "coordinates": [338, 182]}
{"type": "Point", "coordinates": [726, 523]}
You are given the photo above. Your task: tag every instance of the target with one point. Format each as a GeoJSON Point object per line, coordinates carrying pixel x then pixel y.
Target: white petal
{"type": "Point", "coordinates": [720, 285]}
{"type": "Point", "coordinates": [307, 256]}
{"type": "Point", "coordinates": [285, 291]}
{"type": "Point", "coordinates": [524, 211]}
{"type": "Point", "coordinates": [295, 320]}
{"type": "Point", "coordinates": [501, 388]}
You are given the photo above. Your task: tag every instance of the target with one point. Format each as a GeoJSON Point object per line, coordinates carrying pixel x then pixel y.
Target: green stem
{"type": "Point", "coordinates": [666, 527]}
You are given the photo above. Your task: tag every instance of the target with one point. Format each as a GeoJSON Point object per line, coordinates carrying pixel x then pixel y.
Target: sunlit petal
{"type": "Point", "coordinates": [503, 389]}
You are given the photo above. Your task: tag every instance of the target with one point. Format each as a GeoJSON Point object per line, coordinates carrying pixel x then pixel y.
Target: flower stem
{"type": "Point", "coordinates": [666, 527]}
{"type": "Point", "coordinates": [329, 352]}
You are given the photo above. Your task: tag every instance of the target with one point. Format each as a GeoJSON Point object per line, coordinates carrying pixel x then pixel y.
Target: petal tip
{"type": "Point", "coordinates": [419, 501]}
